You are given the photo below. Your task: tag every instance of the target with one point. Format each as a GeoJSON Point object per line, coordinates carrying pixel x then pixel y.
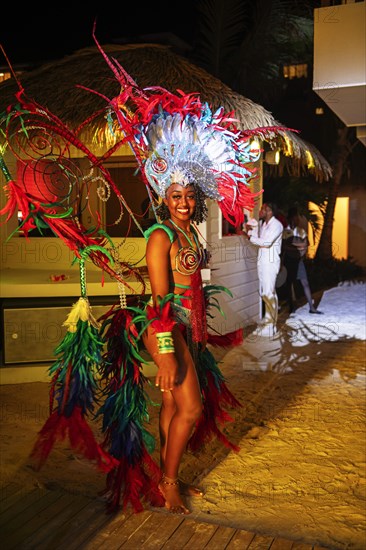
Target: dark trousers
{"type": "Point", "coordinates": [292, 266]}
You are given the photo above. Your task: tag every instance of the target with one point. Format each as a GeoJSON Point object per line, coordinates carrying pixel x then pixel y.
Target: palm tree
{"type": "Point", "coordinates": [343, 147]}
{"type": "Point", "coordinates": [246, 44]}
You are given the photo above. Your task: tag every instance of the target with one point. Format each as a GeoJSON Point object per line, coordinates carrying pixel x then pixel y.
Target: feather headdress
{"type": "Point", "coordinates": [177, 138]}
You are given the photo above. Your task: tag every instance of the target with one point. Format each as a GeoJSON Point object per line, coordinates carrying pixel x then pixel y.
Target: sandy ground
{"type": "Point", "coordinates": [300, 471]}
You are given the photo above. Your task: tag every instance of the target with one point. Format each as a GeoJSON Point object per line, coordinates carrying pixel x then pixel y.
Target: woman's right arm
{"type": "Point", "coordinates": [158, 265]}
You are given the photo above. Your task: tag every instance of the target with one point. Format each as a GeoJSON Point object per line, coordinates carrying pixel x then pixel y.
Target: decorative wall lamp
{"type": "Point", "coordinates": [272, 157]}
{"type": "Point", "coordinates": [255, 146]}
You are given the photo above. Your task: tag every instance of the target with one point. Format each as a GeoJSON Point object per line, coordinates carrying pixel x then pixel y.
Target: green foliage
{"type": "Point", "coordinates": [288, 191]}
{"type": "Point", "coordinates": [245, 44]}
{"type": "Point", "coordinates": [323, 275]}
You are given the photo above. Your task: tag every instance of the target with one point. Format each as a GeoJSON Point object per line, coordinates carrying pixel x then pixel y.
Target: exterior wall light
{"type": "Point", "coordinates": [255, 145]}
{"type": "Point", "coordinates": [272, 157]}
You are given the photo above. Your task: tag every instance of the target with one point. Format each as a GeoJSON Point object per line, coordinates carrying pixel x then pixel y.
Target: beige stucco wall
{"type": "Point", "coordinates": [357, 224]}
{"type": "Point", "coordinates": [339, 60]}
{"type": "Point", "coordinates": [233, 265]}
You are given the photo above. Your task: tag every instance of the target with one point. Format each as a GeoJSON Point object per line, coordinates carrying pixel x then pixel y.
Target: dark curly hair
{"type": "Point", "coordinates": [200, 212]}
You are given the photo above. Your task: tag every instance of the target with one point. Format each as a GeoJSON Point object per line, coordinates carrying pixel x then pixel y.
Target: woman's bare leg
{"type": "Point", "coordinates": [166, 414]}
{"type": "Point", "coordinates": [307, 292]}
{"type": "Point", "coordinates": [167, 411]}
{"type": "Point", "coordinates": [180, 410]}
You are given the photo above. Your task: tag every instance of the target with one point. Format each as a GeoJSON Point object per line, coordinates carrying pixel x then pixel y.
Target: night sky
{"type": "Point", "coordinates": [51, 32]}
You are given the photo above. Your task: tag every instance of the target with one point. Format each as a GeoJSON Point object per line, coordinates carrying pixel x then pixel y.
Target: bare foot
{"type": "Point", "coordinates": [190, 490]}
{"type": "Point", "coordinates": [169, 488]}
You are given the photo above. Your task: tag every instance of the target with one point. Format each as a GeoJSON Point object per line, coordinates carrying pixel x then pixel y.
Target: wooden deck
{"type": "Point", "coordinates": [41, 519]}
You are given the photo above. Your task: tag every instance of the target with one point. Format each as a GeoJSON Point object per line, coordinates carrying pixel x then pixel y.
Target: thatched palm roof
{"type": "Point", "coordinates": [55, 86]}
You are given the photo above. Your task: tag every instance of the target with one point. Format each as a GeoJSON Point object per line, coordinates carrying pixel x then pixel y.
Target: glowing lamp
{"type": "Point", "coordinates": [272, 157]}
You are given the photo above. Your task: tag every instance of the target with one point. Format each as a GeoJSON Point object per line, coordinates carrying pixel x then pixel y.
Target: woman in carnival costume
{"type": "Point", "coordinates": [186, 154]}
{"type": "Point", "coordinates": [174, 256]}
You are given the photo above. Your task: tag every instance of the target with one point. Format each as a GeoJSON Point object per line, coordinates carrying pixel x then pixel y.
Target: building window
{"type": "Point", "coordinates": [340, 231]}
{"type": "Point", "coordinates": [295, 71]}
{"type": "Point", "coordinates": [118, 222]}
{"type": "Point", "coordinates": [5, 75]}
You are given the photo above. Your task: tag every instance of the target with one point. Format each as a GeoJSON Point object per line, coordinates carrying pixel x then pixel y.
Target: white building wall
{"type": "Point", "coordinates": [340, 62]}
{"type": "Point", "coordinates": [233, 265]}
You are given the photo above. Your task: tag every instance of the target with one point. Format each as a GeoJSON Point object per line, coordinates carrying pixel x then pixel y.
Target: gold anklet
{"type": "Point", "coordinates": [174, 482]}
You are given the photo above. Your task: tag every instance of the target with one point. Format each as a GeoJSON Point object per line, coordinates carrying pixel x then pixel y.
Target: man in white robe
{"type": "Point", "coordinates": [267, 237]}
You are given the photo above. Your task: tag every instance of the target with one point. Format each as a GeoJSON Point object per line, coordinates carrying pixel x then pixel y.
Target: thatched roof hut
{"type": "Point", "coordinates": [56, 86]}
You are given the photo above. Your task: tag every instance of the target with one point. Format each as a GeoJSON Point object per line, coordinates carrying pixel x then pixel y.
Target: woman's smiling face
{"type": "Point", "coordinates": [181, 201]}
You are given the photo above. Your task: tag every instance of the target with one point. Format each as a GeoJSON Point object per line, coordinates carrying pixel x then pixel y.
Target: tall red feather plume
{"type": "Point", "coordinates": [81, 437]}
{"type": "Point", "coordinates": [127, 483]}
{"type": "Point", "coordinates": [234, 338]}
{"type": "Point", "coordinates": [213, 412]}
